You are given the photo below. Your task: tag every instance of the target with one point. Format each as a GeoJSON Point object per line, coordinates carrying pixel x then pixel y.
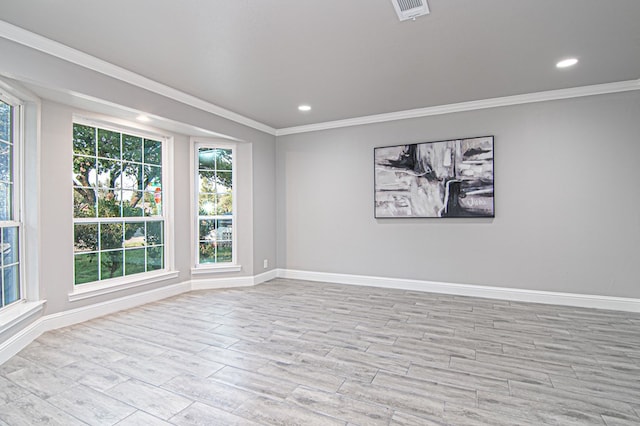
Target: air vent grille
{"type": "Point", "coordinates": [410, 9]}
{"type": "Point", "coordinates": [408, 4]}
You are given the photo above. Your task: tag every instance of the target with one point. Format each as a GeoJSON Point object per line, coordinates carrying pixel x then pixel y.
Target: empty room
{"type": "Point", "coordinates": [285, 212]}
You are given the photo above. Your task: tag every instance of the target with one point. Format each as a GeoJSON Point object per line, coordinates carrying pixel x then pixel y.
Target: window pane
{"type": "Point", "coordinates": [224, 160]}
{"type": "Point", "coordinates": [215, 205]}
{"type": "Point", "coordinates": [84, 140]}
{"type": "Point", "coordinates": [207, 181]}
{"type": "Point", "coordinates": [224, 204]}
{"type": "Point", "coordinates": [154, 233]}
{"type": "Point", "coordinates": [84, 202]}
{"type": "Point", "coordinates": [152, 152]}
{"type": "Point", "coordinates": [207, 230]}
{"type": "Point", "coordinates": [109, 203]}
{"type": "Point", "coordinates": [131, 177]}
{"type": "Point", "coordinates": [5, 121]}
{"type": "Point", "coordinates": [111, 264]}
{"type": "Point", "coordinates": [10, 249]}
{"type": "Point", "coordinates": [215, 240]}
{"type": "Point", "coordinates": [206, 158]}
{"type": "Point", "coordinates": [11, 284]}
{"type": "Point", "coordinates": [108, 173]}
{"type": "Point", "coordinates": [111, 236]}
{"type": "Point", "coordinates": [224, 229]}
{"type": "Point", "coordinates": [223, 182]}
{"type": "Point", "coordinates": [132, 205]}
{"type": "Point", "coordinates": [84, 171]}
{"type": "Point", "coordinates": [151, 178]}
{"type": "Point", "coordinates": [85, 237]}
{"type": "Point", "coordinates": [108, 144]}
{"type": "Point", "coordinates": [86, 268]}
{"type": "Point", "coordinates": [207, 252]}
{"type": "Point", "coordinates": [224, 254]}
{"type": "Point", "coordinates": [131, 148]}
{"type": "Point", "coordinates": [5, 201]}
{"type": "Point", "coordinates": [155, 258]}
{"type": "Point", "coordinates": [134, 261]}
{"type": "Point", "coordinates": [5, 162]}
{"type": "Point", "coordinates": [153, 203]}
{"type": "Point", "coordinates": [206, 204]}
{"type": "Point", "coordinates": [134, 235]}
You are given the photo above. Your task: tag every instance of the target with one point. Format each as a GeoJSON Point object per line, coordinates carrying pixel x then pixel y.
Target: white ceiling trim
{"type": "Point", "coordinates": [59, 50]}
{"type": "Point", "coordinates": [551, 95]}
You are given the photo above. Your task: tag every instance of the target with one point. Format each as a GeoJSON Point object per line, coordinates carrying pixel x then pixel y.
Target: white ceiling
{"type": "Point", "coordinates": [346, 58]}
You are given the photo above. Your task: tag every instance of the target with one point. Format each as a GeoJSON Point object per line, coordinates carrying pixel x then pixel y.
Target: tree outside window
{"type": "Point", "coordinates": [117, 204]}
{"type": "Point", "coordinates": [216, 218]}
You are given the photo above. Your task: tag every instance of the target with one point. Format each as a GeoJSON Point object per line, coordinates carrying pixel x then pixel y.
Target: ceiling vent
{"type": "Point", "coordinates": [410, 9]}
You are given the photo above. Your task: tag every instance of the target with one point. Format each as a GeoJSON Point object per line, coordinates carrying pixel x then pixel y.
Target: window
{"type": "Point", "coordinates": [215, 198]}
{"type": "Point", "coordinates": [10, 224]}
{"type": "Point", "coordinates": [119, 221]}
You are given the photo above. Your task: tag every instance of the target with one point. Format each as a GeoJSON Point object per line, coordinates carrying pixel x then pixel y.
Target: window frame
{"type": "Point", "coordinates": [109, 285]}
{"type": "Point", "coordinates": [17, 193]}
{"type": "Point", "coordinates": [26, 157]}
{"type": "Point", "coordinates": [205, 268]}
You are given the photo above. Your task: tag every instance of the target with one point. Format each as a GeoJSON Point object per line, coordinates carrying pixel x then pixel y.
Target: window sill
{"type": "Point", "coordinates": [201, 270]}
{"type": "Point", "coordinates": [86, 291]}
{"type": "Point", "coordinates": [15, 314]}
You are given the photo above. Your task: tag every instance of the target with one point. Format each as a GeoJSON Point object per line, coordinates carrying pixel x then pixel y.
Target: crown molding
{"type": "Point", "coordinates": [550, 95]}
{"type": "Point", "coordinates": [61, 51]}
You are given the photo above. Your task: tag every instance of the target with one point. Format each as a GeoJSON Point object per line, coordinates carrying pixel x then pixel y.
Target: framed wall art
{"type": "Point", "coordinates": [452, 178]}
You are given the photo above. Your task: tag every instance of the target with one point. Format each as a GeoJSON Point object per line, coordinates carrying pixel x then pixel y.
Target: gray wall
{"type": "Point", "coordinates": [567, 210]}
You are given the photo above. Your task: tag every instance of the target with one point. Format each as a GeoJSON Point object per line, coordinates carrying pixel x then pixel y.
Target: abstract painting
{"type": "Point", "coordinates": [452, 178]}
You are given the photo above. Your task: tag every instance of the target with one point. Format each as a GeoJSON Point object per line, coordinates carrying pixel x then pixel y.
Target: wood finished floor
{"type": "Point", "coordinates": [292, 352]}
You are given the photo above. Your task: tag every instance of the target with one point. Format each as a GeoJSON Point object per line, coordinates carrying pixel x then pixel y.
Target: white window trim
{"type": "Point", "coordinates": [209, 268]}
{"type": "Point", "coordinates": [18, 312]}
{"type": "Point", "coordinates": [26, 142]}
{"type": "Point", "coordinates": [108, 286]}
{"type": "Point", "coordinates": [99, 288]}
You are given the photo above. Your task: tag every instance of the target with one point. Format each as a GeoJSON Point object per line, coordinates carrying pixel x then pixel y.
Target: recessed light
{"type": "Point", "coordinates": [565, 63]}
{"type": "Point", "coordinates": [304, 108]}
{"type": "Point", "coordinates": [143, 118]}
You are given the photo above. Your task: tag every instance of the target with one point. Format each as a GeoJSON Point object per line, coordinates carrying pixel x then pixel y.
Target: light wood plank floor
{"type": "Point", "coordinates": [292, 352]}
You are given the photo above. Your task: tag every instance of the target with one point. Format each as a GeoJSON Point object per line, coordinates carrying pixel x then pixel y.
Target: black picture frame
{"type": "Point", "coordinates": [440, 179]}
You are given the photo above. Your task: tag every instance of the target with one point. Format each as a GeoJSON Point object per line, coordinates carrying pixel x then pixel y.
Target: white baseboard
{"type": "Point", "coordinates": [21, 339]}
{"type": "Point", "coordinates": [216, 283]}
{"type": "Point", "coordinates": [86, 313]}
{"type": "Point", "coordinates": [515, 294]}
{"type": "Point", "coordinates": [231, 282]}
{"type": "Point", "coordinates": [265, 276]}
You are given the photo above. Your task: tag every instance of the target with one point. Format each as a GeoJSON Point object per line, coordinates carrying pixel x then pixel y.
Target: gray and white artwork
{"type": "Point", "coordinates": [451, 178]}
